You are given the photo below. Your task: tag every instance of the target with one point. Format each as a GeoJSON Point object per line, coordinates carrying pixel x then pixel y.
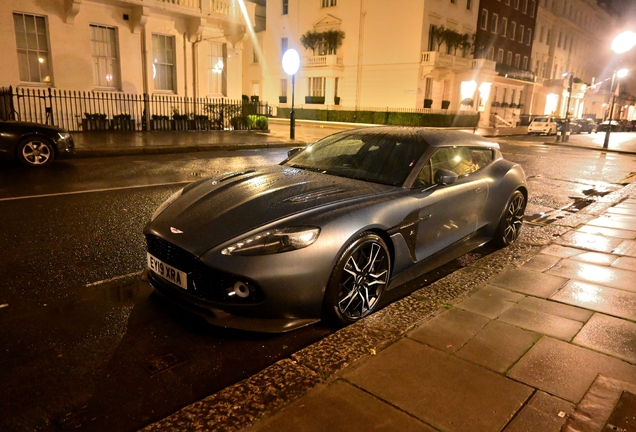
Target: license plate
{"type": "Point", "coordinates": [168, 272]}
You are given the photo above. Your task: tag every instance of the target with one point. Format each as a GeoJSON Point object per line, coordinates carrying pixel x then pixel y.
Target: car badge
{"type": "Point", "coordinates": [175, 230]}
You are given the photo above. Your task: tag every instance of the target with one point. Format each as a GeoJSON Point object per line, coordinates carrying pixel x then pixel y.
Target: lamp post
{"type": "Point", "coordinates": [620, 73]}
{"type": "Point", "coordinates": [291, 63]}
{"type": "Point", "coordinates": [622, 43]}
{"type": "Point", "coordinates": [566, 124]}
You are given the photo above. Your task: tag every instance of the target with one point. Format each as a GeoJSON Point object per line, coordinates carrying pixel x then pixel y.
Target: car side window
{"type": "Point", "coordinates": [460, 160]}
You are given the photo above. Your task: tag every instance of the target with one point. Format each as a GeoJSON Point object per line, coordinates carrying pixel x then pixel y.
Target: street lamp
{"type": "Point", "coordinates": [621, 74]}
{"type": "Point", "coordinates": [291, 63]}
{"type": "Point", "coordinates": [622, 43]}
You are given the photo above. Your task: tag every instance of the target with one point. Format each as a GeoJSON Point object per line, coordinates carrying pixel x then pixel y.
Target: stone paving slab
{"type": "Point", "coordinates": [341, 406]}
{"type": "Point", "coordinates": [561, 251]}
{"type": "Point", "coordinates": [541, 262]}
{"type": "Point", "coordinates": [528, 282]}
{"type": "Point", "coordinates": [598, 298]}
{"type": "Point", "coordinates": [609, 232]}
{"type": "Point", "coordinates": [610, 335]}
{"type": "Point", "coordinates": [556, 309]}
{"type": "Point", "coordinates": [592, 273]}
{"type": "Point", "coordinates": [545, 323]}
{"type": "Point", "coordinates": [629, 210]}
{"type": "Point", "coordinates": [490, 301]}
{"type": "Point", "coordinates": [627, 247]}
{"type": "Point", "coordinates": [608, 222]}
{"type": "Point", "coordinates": [625, 263]}
{"type": "Point", "coordinates": [450, 330]}
{"type": "Point", "coordinates": [498, 346]}
{"type": "Point", "coordinates": [446, 392]}
{"type": "Point", "coordinates": [566, 370]}
{"type": "Point", "coordinates": [604, 259]}
{"type": "Point", "coordinates": [544, 413]}
{"type": "Point", "coordinates": [589, 241]}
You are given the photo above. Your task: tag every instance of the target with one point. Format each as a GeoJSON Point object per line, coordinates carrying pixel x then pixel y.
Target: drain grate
{"type": "Point", "coordinates": [160, 363]}
{"type": "Point", "coordinates": [546, 218]}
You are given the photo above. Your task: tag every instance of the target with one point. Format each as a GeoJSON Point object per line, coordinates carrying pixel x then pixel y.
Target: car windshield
{"type": "Point", "coordinates": [375, 157]}
{"type": "Point", "coordinates": [540, 120]}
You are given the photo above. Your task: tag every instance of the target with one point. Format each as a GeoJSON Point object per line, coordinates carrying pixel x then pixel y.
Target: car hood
{"type": "Point", "coordinates": [216, 210]}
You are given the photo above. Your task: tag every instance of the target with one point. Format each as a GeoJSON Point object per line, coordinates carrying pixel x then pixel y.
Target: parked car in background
{"type": "Point", "coordinates": [332, 228]}
{"type": "Point", "coordinates": [575, 126]}
{"type": "Point", "coordinates": [34, 144]}
{"type": "Point", "coordinates": [616, 126]}
{"type": "Point", "coordinates": [587, 126]}
{"type": "Point", "coordinates": [543, 126]}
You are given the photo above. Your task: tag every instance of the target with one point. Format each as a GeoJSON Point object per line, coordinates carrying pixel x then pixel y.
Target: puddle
{"type": "Point", "coordinates": [546, 218]}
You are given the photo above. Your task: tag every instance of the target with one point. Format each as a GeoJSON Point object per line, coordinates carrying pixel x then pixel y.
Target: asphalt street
{"type": "Point", "coordinates": [88, 347]}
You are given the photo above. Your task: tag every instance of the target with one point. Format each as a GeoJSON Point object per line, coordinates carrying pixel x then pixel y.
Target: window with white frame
{"type": "Point", "coordinates": [316, 86]}
{"type": "Point", "coordinates": [285, 7]}
{"type": "Point", "coordinates": [284, 44]}
{"type": "Point", "coordinates": [32, 43]}
{"type": "Point", "coordinates": [509, 58]}
{"type": "Point", "coordinates": [525, 6]}
{"type": "Point", "coordinates": [513, 30]}
{"type": "Point", "coordinates": [524, 65]}
{"type": "Point", "coordinates": [105, 56]}
{"type": "Point", "coordinates": [217, 72]}
{"type": "Point", "coordinates": [533, 6]}
{"type": "Point", "coordinates": [328, 3]}
{"type": "Point", "coordinates": [163, 62]}
{"type": "Point", "coordinates": [283, 87]}
{"type": "Point", "coordinates": [254, 54]}
{"type": "Point", "coordinates": [500, 54]}
{"type": "Point", "coordinates": [469, 4]}
{"type": "Point", "coordinates": [494, 22]}
{"type": "Point", "coordinates": [428, 88]}
{"type": "Point", "coordinates": [520, 33]}
{"type": "Point", "coordinates": [490, 53]}
{"type": "Point", "coordinates": [517, 60]}
{"type": "Point", "coordinates": [529, 37]}
{"type": "Point", "coordinates": [504, 26]}
{"type": "Point", "coordinates": [484, 19]}
{"type": "Point", "coordinates": [512, 96]}
{"type": "Point", "coordinates": [516, 4]}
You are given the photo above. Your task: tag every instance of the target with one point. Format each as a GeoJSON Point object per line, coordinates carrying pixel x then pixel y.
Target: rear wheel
{"type": "Point", "coordinates": [35, 152]}
{"type": "Point", "coordinates": [358, 280]}
{"type": "Point", "coordinates": [511, 221]}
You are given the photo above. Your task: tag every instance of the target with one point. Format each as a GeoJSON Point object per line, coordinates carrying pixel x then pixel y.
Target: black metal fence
{"type": "Point", "coordinates": [93, 111]}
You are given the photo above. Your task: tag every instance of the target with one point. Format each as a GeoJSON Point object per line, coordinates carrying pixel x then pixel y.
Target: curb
{"type": "Point", "coordinates": [130, 151]}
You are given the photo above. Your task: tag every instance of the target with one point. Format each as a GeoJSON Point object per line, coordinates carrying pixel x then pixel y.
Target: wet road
{"type": "Point", "coordinates": [87, 346]}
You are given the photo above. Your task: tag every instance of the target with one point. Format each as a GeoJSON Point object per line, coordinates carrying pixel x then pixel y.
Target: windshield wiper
{"type": "Point", "coordinates": [303, 167]}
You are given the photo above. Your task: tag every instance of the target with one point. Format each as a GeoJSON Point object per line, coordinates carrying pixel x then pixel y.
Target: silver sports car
{"type": "Point", "coordinates": [333, 227]}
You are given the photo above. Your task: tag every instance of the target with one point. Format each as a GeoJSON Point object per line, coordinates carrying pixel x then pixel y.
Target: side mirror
{"type": "Point", "coordinates": [294, 151]}
{"type": "Point", "coordinates": [444, 177]}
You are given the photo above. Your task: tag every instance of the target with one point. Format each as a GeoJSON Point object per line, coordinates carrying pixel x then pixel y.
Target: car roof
{"type": "Point", "coordinates": [435, 137]}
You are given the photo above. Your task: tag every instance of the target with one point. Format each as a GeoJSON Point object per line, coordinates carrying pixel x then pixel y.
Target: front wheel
{"type": "Point", "coordinates": [358, 280]}
{"type": "Point", "coordinates": [511, 220]}
{"type": "Point", "coordinates": [35, 152]}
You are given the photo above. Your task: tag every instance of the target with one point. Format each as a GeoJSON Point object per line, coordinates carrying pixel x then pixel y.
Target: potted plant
{"type": "Point", "coordinates": [92, 122]}
{"type": "Point", "coordinates": [468, 102]}
{"type": "Point", "coordinates": [336, 100]}
{"type": "Point", "coordinates": [180, 120]}
{"type": "Point", "coordinates": [160, 122]}
{"type": "Point", "coordinates": [201, 122]}
{"type": "Point", "coordinates": [123, 122]}
{"type": "Point", "coordinates": [504, 105]}
{"type": "Point", "coordinates": [428, 103]}
{"type": "Point", "coordinates": [496, 104]}
{"type": "Point", "coordinates": [445, 104]}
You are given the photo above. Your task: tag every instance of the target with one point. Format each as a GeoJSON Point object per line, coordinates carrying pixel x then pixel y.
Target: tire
{"type": "Point", "coordinates": [35, 152]}
{"type": "Point", "coordinates": [511, 220]}
{"type": "Point", "coordinates": [358, 280]}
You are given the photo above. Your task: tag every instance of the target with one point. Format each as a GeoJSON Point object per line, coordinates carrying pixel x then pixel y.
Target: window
{"type": "Point", "coordinates": [529, 37]}
{"type": "Point", "coordinates": [285, 7]}
{"type": "Point", "coordinates": [431, 38]}
{"type": "Point", "coordinates": [533, 6]}
{"type": "Point", "coordinates": [453, 1]}
{"type": "Point", "coordinates": [105, 58]}
{"type": "Point", "coordinates": [484, 19]}
{"type": "Point", "coordinates": [559, 40]}
{"type": "Point", "coordinates": [494, 22]}
{"type": "Point", "coordinates": [513, 30]}
{"type": "Point", "coordinates": [517, 60]}
{"type": "Point", "coordinates": [460, 160]}
{"type": "Point", "coordinates": [500, 54]}
{"type": "Point", "coordinates": [509, 58]}
{"type": "Point", "coordinates": [508, 2]}
{"type": "Point", "coordinates": [547, 37]}
{"type": "Point", "coordinates": [217, 72]}
{"type": "Point", "coordinates": [163, 62]}
{"type": "Point", "coordinates": [520, 33]}
{"type": "Point", "coordinates": [504, 26]}
{"type": "Point", "coordinates": [525, 6]}
{"type": "Point", "coordinates": [32, 44]}
{"type": "Point", "coordinates": [316, 86]}
{"type": "Point", "coordinates": [541, 34]}
{"type": "Point", "coordinates": [283, 87]}
{"type": "Point", "coordinates": [428, 88]}
{"type": "Point", "coordinates": [512, 96]}
{"type": "Point", "coordinates": [328, 3]}
{"type": "Point", "coordinates": [516, 4]}
{"type": "Point", "coordinates": [491, 53]}
{"type": "Point", "coordinates": [469, 4]}
{"type": "Point", "coordinates": [524, 65]}
{"type": "Point", "coordinates": [284, 44]}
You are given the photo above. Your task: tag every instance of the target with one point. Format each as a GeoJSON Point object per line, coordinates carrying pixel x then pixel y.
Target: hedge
{"type": "Point", "coordinates": [384, 118]}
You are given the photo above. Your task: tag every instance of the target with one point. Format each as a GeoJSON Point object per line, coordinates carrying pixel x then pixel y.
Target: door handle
{"type": "Point", "coordinates": [479, 190]}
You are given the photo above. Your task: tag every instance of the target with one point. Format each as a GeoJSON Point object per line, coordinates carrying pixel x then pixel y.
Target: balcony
{"type": "Point", "coordinates": [514, 73]}
{"type": "Point", "coordinates": [324, 61]}
{"type": "Point", "coordinates": [434, 59]}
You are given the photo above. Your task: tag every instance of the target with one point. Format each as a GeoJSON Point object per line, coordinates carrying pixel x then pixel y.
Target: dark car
{"type": "Point", "coordinates": [34, 144]}
{"type": "Point", "coordinates": [575, 126]}
{"type": "Point", "coordinates": [616, 126]}
{"type": "Point", "coordinates": [333, 227]}
{"type": "Point", "coordinates": [587, 125]}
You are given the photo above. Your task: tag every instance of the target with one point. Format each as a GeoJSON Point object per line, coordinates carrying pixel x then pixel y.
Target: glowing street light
{"type": "Point", "coordinates": [622, 43]}
{"type": "Point", "coordinates": [291, 64]}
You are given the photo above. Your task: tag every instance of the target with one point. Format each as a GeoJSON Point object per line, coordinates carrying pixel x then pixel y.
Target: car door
{"type": "Point", "coordinates": [450, 212]}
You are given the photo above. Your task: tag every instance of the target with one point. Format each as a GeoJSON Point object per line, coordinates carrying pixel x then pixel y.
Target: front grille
{"type": "Point", "coordinates": [203, 281]}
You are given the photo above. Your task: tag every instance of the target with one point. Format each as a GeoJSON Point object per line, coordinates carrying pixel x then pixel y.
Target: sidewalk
{"type": "Point", "coordinates": [538, 336]}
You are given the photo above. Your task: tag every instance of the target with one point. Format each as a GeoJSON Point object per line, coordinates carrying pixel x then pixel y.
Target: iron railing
{"type": "Point", "coordinates": [92, 111]}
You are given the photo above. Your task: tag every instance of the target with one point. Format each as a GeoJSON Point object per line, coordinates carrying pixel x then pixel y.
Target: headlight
{"type": "Point", "coordinates": [64, 135]}
{"type": "Point", "coordinates": [166, 203]}
{"type": "Point", "coordinates": [274, 241]}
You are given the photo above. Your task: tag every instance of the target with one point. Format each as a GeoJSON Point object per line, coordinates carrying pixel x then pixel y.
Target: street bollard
{"type": "Point", "coordinates": [558, 136]}
{"type": "Point", "coordinates": [566, 137]}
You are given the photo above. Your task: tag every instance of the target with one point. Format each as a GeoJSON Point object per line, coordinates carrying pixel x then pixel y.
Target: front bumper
{"type": "Point", "coordinates": [65, 147]}
{"type": "Point", "coordinates": [217, 317]}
